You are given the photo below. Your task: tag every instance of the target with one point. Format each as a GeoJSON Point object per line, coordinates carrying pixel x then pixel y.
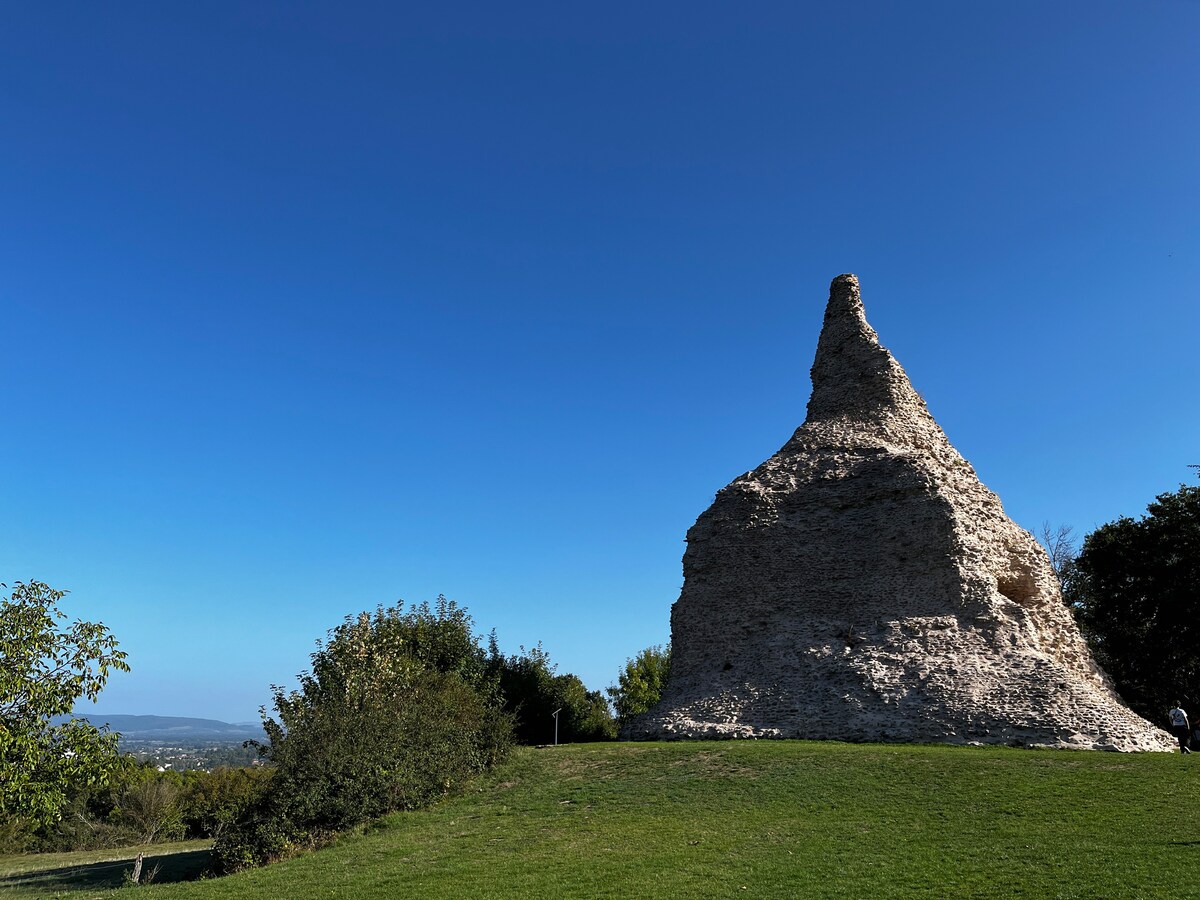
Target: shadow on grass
{"type": "Point", "coordinates": [183, 866]}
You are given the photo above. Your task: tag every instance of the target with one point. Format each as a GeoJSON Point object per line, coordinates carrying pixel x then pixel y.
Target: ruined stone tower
{"type": "Point", "coordinates": [863, 585]}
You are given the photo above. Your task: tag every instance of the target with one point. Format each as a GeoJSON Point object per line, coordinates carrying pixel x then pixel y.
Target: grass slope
{"type": "Point", "coordinates": [774, 819]}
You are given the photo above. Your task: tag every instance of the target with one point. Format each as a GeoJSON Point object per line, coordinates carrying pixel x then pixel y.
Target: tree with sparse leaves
{"type": "Point", "coordinates": [1061, 548]}
{"type": "Point", "coordinates": [45, 667]}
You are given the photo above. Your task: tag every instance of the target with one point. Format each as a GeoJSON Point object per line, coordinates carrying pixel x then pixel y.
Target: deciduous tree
{"type": "Point", "coordinates": [1061, 548]}
{"type": "Point", "coordinates": [640, 684]}
{"type": "Point", "coordinates": [1136, 592]}
{"type": "Point", "coordinates": [45, 667]}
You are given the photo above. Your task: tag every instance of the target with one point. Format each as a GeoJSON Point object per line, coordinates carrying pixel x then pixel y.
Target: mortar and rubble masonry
{"type": "Point", "coordinates": [863, 585]}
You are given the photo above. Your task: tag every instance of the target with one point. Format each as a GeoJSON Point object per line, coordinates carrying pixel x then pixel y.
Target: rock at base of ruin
{"type": "Point", "coordinates": [863, 585]}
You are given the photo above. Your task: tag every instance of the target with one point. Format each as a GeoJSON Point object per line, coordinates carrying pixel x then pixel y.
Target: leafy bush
{"type": "Point", "coordinates": [138, 804]}
{"type": "Point", "coordinates": [211, 801]}
{"type": "Point", "coordinates": [261, 837]}
{"type": "Point", "coordinates": [150, 809]}
{"type": "Point", "coordinates": [396, 711]}
{"type": "Point", "coordinates": [87, 821]}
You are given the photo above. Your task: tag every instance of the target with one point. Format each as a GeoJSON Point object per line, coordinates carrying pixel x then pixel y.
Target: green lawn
{"type": "Point", "coordinates": [772, 819]}
{"type": "Point", "coordinates": [94, 872]}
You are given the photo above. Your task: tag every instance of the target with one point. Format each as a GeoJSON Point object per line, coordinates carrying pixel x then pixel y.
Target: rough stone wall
{"type": "Point", "coordinates": [863, 585]}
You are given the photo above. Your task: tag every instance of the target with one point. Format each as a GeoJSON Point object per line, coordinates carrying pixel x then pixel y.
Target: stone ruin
{"type": "Point", "coordinates": [863, 585]}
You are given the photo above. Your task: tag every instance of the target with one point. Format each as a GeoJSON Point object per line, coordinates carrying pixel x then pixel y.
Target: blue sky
{"type": "Point", "coordinates": [309, 307]}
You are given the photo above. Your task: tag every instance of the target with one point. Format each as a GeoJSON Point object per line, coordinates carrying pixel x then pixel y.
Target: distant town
{"type": "Point", "coordinates": [181, 743]}
{"type": "Point", "coordinates": [182, 756]}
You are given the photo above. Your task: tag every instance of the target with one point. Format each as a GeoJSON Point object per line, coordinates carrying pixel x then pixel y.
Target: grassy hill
{"type": "Point", "coordinates": [770, 819]}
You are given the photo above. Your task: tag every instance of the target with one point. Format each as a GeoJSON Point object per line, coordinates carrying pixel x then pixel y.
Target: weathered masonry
{"type": "Point", "coordinates": [863, 585]}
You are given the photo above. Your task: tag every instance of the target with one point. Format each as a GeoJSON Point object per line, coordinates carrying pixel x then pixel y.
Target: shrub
{"type": "Point", "coordinates": [211, 801]}
{"type": "Point", "coordinates": [396, 711]}
{"type": "Point", "coordinates": [150, 809]}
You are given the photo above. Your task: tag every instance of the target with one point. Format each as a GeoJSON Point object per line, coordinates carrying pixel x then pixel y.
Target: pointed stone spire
{"type": "Point", "coordinates": [863, 585]}
{"type": "Point", "coordinates": [853, 375]}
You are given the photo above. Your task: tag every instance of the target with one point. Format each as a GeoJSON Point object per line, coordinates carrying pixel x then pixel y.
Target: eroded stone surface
{"type": "Point", "coordinates": [862, 584]}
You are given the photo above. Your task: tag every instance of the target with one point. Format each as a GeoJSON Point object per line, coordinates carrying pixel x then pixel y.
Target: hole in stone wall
{"type": "Point", "coordinates": [1017, 587]}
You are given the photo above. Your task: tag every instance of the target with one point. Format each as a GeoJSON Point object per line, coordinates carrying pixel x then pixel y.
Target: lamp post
{"type": "Point", "coordinates": [555, 714]}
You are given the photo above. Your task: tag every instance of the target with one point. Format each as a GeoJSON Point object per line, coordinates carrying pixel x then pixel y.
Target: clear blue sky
{"type": "Point", "coordinates": [308, 307]}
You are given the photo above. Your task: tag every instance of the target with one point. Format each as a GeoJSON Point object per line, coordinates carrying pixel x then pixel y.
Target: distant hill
{"type": "Point", "coordinates": [171, 728]}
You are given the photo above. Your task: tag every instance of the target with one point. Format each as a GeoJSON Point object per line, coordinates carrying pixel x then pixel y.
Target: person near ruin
{"type": "Point", "coordinates": [1181, 726]}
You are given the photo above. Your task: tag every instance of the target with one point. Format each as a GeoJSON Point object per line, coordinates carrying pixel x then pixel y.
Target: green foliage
{"type": "Point", "coordinates": [640, 684]}
{"type": "Point", "coordinates": [395, 712]}
{"type": "Point", "coordinates": [44, 669]}
{"type": "Point", "coordinates": [212, 801]}
{"type": "Point", "coordinates": [368, 653]}
{"type": "Point", "coordinates": [585, 714]}
{"type": "Point", "coordinates": [89, 818]}
{"type": "Point", "coordinates": [139, 805]}
{"type": "Point", "coordinates": [532, 692]}
{"type": "Point", "coordinates": [1136, 594]}
{"type": "Point", "coordinates": [400, 707]}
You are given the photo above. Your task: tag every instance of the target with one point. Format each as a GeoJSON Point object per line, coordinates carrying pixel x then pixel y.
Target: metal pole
{"type": "Point", "coordinates": [555, 714]}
